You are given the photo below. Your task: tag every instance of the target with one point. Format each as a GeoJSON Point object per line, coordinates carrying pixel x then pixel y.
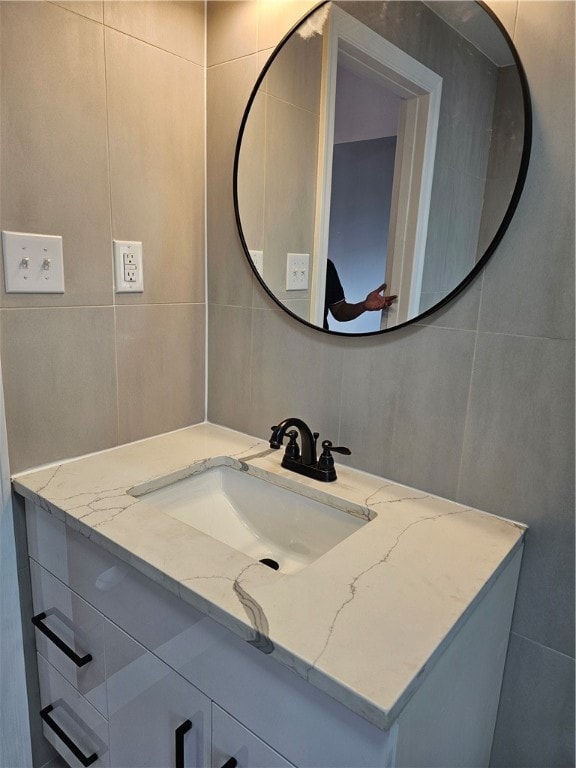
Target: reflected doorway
{"type": "Point", "coordinates": [352, 48]}
{"type": "Point", "coordinates": [364, 154]}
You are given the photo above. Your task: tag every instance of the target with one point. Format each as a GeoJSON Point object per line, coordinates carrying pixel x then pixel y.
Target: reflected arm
{"type": "Point", "coordinates": [343, 311]}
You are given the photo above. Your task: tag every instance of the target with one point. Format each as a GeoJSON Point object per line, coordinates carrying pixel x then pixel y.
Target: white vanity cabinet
{"type": "Point", "coordinates": [106, 700]}
{"type": "Point", "coordinates": [166, 663]}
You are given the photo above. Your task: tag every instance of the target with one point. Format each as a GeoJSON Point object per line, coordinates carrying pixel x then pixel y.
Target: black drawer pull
{"type": "Point", "coordinates": [232, 763]}
{"type": "Point", "coordinates": [86, 760]}
{"type": "Point", "coordinates": [80, 661]}
{"type": "Point", "coordinates": [179, 734]}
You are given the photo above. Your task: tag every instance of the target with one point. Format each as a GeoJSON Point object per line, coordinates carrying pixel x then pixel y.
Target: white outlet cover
{"type": "Point", "coordinates": [297, 271]}
{"type": "Point", "coordinates": [128, 252]}
{"type": "Point", "coordinates": [33, 263]}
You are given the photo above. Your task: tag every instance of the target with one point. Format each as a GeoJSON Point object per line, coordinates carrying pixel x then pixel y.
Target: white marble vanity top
{"type": "Point", "coordinates": [364, 622]}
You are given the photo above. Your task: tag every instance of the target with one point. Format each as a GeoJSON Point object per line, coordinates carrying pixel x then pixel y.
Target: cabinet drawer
{"type": "Point", "coordinates": [138, 605]}
{"type": "Point", "coordinates": [72, 725]}
{"type": "Point", "coordinates": [70, 635]}
{"type": "Point", "coordinates": [234, 745]}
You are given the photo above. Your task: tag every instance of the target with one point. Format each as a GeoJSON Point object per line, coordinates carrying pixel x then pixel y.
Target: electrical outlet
{"type": "Point", "coordinates": [130, 274]}
{"type": "Point", "coordinates": [128, 258]}
{"type": "Point", "coordinates": [297, 269]}
{"type": "Point", "coordinates": [128, 266]}
{"type": "Point", "coordinates": [33, 263]}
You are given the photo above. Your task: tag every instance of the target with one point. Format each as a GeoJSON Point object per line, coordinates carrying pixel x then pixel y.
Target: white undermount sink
{"type": "Point", "coordinates": [256, 517]}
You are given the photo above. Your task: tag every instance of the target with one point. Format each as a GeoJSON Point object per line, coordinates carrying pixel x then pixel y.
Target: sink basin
{"type": "Point", "coordinates": [284, 529]}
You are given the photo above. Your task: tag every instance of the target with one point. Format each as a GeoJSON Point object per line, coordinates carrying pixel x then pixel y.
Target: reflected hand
{"type": "Point", "coordinates": [375, 301]}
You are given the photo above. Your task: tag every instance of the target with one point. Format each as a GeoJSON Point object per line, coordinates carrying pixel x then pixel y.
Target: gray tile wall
{"type": "Point", "coordinates": [477, 405]}
{"type": "Point", "coordinates": [102, 137]}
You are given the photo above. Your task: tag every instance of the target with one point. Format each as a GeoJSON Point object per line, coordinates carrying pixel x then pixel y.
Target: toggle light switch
{"type": "Point", "coordinates": [33, 263]}
{"type": "Point", "coordinates": [128, 266]}
{"type": "Point", "coordinates": [297, 268]}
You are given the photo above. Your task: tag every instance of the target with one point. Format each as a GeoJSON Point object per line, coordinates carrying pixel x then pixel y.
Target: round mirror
{"type": "Point", "coordinates": [384, 143]}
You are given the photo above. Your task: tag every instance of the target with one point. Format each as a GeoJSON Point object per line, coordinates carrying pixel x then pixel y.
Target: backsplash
{"type": "Point", "coordinates": [476, 404]}
{"type": "Point", "coordinates": [102, 139]}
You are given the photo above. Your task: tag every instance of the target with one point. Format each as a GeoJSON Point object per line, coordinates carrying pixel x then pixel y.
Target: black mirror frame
{"type": "Point", "coordinates": [507, 218]}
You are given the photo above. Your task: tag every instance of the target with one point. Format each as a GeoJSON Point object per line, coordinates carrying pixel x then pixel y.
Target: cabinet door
{"type": "Point", "coordinates": [156, 718]}
{"type": "Point", "coordinates": [234, 746]}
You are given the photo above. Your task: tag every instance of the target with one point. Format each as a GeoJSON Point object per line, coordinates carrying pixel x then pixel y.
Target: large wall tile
{"type": "Point", "coordinates": [229, 366]}
{"type": "Point", "coordinates": [518, 462]}
{"type": "Point", "coordinates": [54, 174]}
{"type": "Point", "coordinates": [431, 408]}
{"type": "Point", "coordinates": [59, 381]}
{"type": "Point", "coordinates": [289, 203]}
{"type": "Point", "coordinates": [529, 286]}
{"type": "Point", "coordinates": [461, 312]}
{"type": "Point", "coordinates": [276, 18]}
{"type": "Point", "coordinates": [251, 174]}
{"type": "Point", "coordinates": [307, 377]}
{"type": "Point", "coordinates": [177, 27]}
{"type": "Point", "coordinates": [370, 388]}
{"type": "Point", "coordinates": [233, 28]}
{"type": "Point", "coordinates": [157, 166]}
{"type": "Point", "coordinates": [535, 725]}
{"type": "Point", "coordinates": [406, 412]}
{"type": "Point", "coordinates": [229, 86]}
{"type": "Point", "coordinates": [160, 368]}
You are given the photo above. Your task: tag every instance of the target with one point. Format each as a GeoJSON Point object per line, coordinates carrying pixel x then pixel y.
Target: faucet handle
{"type": "Point", "coordinates": [328, 447]}
{"type": "Point", "coordinates": [292, 449]}
{"type": "Point", "coordinates": [326, 460]}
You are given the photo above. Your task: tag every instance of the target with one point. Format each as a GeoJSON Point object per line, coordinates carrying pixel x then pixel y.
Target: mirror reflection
{"type": "Point", "coordinates": [380, 159]}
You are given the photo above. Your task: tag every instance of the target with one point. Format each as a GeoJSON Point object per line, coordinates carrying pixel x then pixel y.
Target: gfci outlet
{"type": "Point", "coordinates": [297, 269]}
{"type": "Point", "coordinates": [128, 266]}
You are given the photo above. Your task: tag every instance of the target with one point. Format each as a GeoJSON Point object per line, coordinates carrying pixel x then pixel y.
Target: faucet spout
{"type": "Point", "coordinates": [308, 439]}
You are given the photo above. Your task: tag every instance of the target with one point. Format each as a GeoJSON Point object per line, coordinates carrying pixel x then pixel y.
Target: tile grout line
{"type": "Point", "coordinates": [206, 307]}
{"type": "Point", "coordinates": [469, 399]}
{"type": "Point", "coordinates": [115, 315]}
{"type": "Point", "coordinates": [541, 645]}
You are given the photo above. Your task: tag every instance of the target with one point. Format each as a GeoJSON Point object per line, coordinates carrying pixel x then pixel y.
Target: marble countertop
{"type": "Point", "coordinates": [364, 622]}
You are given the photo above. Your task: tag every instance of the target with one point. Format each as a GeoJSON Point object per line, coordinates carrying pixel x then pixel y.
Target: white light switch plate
{"type": "Point", "coordinates": [128, 274]}
{"type": "Point", "coordinates": [33, 263]}
{"type": "Point", "coordinates": [258, 261]}
{"type": "Point", "coordinates": [297, 269]}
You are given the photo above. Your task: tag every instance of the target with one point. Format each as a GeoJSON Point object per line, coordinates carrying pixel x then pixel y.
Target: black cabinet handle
{"type": "Point", "coordinates": [80, 661]}
{"type": "Point", "coordinates": [86, 760]}
{"type": "Point", "coordinates": [179, 734]}
{"type": "Point", "coordinates": [232, 763]}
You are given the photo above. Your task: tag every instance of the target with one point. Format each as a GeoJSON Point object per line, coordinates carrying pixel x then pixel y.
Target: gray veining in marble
{"type": "Point", "coordinates": [378, 589]}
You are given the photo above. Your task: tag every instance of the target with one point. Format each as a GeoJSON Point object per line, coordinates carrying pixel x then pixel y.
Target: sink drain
{"type": "Point", "coordinates": [270, 563]}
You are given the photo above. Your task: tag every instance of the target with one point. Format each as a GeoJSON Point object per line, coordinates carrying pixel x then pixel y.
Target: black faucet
{"type": "Point", "coordinates": [305, 461]}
